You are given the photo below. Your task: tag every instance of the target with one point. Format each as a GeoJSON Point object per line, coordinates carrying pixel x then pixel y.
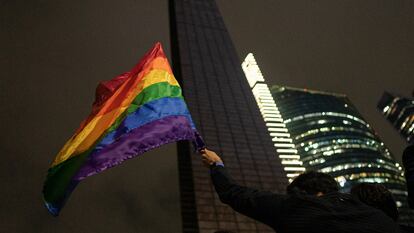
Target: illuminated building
{"type": "Point", "coordinates": [325, 132]}
{"type": "Point", "coordinates": [400, 112]}
{"type": "Point", "coordinates": [332, 137]}
{"type": "Point", "coordinates": [277, 129]}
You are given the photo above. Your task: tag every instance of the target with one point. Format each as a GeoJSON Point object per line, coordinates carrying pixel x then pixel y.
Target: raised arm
{"type": "Point", "coordinates": [263, 206]}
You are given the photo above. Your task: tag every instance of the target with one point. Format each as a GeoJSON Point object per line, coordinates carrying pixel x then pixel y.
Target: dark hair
{"type": "Point", "coordinates": [377, 196]}
{"type": "Point", "coordinates": [312, 182]}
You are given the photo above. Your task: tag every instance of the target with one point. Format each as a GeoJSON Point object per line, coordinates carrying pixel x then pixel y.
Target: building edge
{"type": "Point", "coordinates": [189, 221]}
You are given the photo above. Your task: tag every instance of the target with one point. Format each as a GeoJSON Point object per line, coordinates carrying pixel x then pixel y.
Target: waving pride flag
{"type": "Point", "coordinates": [132, 113]}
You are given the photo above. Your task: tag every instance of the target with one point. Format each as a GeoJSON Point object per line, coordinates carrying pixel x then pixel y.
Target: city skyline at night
{"type": "Point", "coordinates": [332, 137]}
{"type": "Point", "coordinates": [328, 134]}
{"type": "Point", "coordinates": [56, 52]}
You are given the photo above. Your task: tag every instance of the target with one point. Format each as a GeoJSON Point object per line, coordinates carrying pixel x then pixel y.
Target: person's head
{"type": "Point", "coordinates": [313, 183]}
{"type": "Point", "coordinates": [377, 196]}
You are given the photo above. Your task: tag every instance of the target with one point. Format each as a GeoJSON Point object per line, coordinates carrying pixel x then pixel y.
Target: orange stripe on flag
{"type": "Point", "coordinates": [157, 70]}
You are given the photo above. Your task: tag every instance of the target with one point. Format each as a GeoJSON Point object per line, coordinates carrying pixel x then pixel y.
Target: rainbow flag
{"type": "Point", "coordinates": [132, 113]}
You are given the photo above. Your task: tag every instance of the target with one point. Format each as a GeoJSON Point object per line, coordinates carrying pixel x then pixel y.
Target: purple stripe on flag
{"type": "Point", "coordinates": [142, 139]}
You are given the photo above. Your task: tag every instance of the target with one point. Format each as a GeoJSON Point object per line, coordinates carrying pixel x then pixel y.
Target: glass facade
{"type": "Point", "coordinates": [400, 112]}
{"type": "Point", "coordinates": [332, 137]}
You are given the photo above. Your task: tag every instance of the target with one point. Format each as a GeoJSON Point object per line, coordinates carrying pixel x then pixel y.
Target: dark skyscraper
{"type": "Point", "coordinates": [225, 112]}
{"type": "Point", "coordinates": [400, 112]}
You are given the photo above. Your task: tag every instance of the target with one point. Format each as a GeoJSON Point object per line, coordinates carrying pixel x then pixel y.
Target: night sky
{"type": "Point", "coordinates": [53, 54]}
{"type": "Point", "coordinates": [358, 48]}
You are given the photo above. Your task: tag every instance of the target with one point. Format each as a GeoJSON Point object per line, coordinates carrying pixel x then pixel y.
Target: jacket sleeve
{"type": "Point", "coordinates": [263, 206]}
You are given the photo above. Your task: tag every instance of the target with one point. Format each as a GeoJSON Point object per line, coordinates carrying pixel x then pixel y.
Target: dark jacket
{"type": "Point", "coordinates": [332, 212]}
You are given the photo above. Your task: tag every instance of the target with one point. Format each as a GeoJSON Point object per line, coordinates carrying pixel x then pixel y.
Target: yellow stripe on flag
{"type": "Point", "coordinates": [101, 122]}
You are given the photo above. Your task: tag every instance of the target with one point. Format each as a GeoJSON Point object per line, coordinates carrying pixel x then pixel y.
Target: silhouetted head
{"type": "Point", "coordinates": [313, 183]}
{"type": "Point", "coordinates": [377, 196]}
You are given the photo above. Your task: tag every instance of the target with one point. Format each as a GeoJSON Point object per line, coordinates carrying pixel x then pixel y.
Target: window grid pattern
{"type": "Point", "coordinates": [274, 121]}
{"type": "Point", "coordinates": [224, 110]}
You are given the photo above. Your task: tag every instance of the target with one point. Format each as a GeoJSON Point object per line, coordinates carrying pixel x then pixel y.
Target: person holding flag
{"type": "Point", "coordinates": [312, 204]}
